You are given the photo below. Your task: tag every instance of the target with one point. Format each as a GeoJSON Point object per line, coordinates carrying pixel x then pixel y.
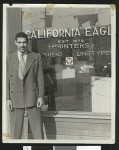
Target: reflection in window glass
{"type": "Point", "coordinates": [77, 69]}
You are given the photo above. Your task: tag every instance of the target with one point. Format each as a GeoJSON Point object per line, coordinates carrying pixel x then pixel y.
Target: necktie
{"type": "Point", "coordinates": [21, 67]}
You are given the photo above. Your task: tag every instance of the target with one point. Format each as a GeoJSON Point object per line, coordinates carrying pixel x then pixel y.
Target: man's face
{"type": "Point", "coordinates": [21, 44]}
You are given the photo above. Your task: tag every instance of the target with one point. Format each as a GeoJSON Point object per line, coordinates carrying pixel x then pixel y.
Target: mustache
{"type": "Point", "coordinates": [22, 47]}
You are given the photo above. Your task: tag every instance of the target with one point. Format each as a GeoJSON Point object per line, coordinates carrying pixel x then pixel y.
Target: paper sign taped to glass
{"type": "Point", "coordinates": [76, 79]}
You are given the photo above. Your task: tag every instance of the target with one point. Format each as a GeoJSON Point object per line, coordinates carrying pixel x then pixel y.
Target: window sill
{"type": "Point", "coordinates": [73, 114]}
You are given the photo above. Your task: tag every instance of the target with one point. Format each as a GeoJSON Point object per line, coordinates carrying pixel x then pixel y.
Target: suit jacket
{"type": "Point", "coordinates": [24, 93]}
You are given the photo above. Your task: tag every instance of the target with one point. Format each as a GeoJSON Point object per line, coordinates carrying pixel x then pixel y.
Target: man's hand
{"type": "Point", "coordinates": [9, 105]}
{"type": "Point", "coordinates": [40, 102]}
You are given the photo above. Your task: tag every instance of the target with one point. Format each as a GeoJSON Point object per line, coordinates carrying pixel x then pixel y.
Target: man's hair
{"type": "Point", "coordinates": [21, 34]}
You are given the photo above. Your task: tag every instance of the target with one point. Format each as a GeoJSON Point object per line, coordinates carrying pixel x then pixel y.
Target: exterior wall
{"type": "Point", "coordinates": [14, 25]}
{"type": "Point", "coordinates": [67, 125]}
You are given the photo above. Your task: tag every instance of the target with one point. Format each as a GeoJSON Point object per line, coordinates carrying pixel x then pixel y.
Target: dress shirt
{"type": "Point", "coordinates": [24, 55]}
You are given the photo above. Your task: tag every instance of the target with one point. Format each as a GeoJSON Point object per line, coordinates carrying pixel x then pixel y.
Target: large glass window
{"type": "Point", "coordinates": [77, 69]}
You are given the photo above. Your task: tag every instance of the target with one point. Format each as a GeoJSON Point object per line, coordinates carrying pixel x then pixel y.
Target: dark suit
{"type": "Point", "coordinates": [24, 93]}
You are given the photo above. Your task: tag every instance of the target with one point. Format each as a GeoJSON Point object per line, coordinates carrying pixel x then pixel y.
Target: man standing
{"type": "Point", "coordinates": [25, 87]}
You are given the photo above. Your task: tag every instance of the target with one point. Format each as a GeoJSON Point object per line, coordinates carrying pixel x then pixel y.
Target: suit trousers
{"type": "Point", "coordinates": [17, 119]}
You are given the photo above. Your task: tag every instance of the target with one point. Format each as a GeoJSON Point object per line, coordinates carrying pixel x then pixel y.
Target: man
{"type": "Point", "coordinates": [25, 87]}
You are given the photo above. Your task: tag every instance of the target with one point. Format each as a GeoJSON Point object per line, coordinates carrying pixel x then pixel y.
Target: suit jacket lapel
{"type": "Point", "coordinates": [15, 61]}
{"type": "Point", "coordinates": [29, 61]}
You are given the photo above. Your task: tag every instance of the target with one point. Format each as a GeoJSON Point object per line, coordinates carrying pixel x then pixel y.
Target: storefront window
{"type": "Point", "coordinates": [77, 69]}
{"type": "Point", "coordinates": [70, 75]}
